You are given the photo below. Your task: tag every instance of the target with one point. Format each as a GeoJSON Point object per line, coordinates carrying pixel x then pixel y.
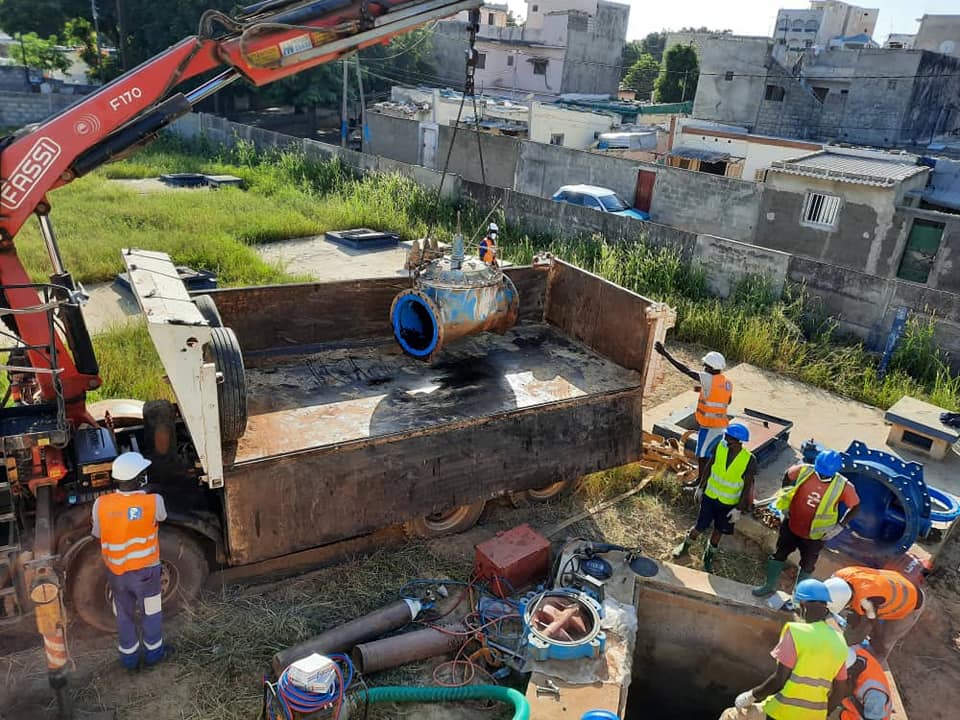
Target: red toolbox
{"type": "Point", "coordinates": [512, 560]}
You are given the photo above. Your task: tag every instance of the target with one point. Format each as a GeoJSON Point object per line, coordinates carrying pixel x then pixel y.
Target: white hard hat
{"type": "Point", "coordinates": [128, 466]}
{"type": "Point", "coordinates": [715, 360]}
{"type": "Point", "coordinates": [493, 227]}
{"type": "Point", "coordinates": [840, 594]}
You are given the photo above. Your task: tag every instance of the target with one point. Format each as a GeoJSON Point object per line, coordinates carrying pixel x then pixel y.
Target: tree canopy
{"type": "Point", "coordinates": [642, 76]}
{"type": "Point", "coordinates": [35, 52]}
{"type": "Point", "coordinates": [678, 79]}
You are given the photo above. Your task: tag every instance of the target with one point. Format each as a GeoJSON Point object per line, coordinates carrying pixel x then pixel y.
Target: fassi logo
{"type": "Point", "coordinates": [33, 167]}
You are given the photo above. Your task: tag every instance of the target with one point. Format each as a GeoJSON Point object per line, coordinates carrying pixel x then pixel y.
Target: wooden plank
{"type": "Point", "coordinates": [287, 316]}
{"type": "Point", "coordinates": [301, 500]}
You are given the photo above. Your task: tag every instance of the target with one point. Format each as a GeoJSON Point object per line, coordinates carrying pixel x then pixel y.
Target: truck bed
{"type": "Point", "coordinates": [345, 394]}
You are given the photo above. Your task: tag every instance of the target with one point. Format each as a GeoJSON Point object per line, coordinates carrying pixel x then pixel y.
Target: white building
{"type": "Point", "coordinates": [491, 16]}
{"type": "Point", "coordinates": [900, 41]}
{"type": "Point", "coordinates": [797, 30]}
{"type": "Point", "coordinates": [565, 46]}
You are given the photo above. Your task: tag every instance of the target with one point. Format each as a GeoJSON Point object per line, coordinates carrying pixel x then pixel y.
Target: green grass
{"type": "Point", "coordinates": [788, 334]}
{"type": "Point", "coordinates": [129, 365]}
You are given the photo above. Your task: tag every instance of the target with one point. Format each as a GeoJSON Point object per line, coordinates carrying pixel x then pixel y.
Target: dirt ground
{"type": "Point", "coordinates": [224, 644]}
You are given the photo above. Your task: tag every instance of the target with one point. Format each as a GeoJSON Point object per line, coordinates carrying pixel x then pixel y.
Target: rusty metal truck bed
{"type": "Point", "coordinates": [348, 435]}
{"type": "Point", "coordinates": [345, 394]}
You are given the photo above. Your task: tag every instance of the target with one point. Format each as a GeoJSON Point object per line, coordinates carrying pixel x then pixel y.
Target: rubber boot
{"type": "Point", "coordinates": [774, 568]}
{"type": "Point", "coordinates": [709, 553]}
{"type": "Point", "coordinates": [681, 549]}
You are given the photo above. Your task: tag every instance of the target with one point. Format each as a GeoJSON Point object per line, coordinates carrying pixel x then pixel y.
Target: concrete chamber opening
{"type": "Point", "coordinates": [695, 652]}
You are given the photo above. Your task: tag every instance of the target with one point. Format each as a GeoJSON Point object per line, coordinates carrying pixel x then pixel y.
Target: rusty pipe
{"type": "Point", "coordinates": [410, 647]}
{"type": "Point", "coordinates": [343, 637]}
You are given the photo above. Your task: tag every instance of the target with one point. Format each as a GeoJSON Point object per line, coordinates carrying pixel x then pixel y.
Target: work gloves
{"type": "Point", "coordinates": [832, 532]}
{"type": "Point", "coordinates": [744, 699]}
{"type": "Point", "coordinates": [734, 515]}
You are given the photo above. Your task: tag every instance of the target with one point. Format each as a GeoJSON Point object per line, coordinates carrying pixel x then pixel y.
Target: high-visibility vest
{"type": "Point", "coordinates": [128, 531]}
{"type": "Point", "coordinates": [900, 596]}
{"type": "Point", "coordinates": [726, 482]}
{"type": "Point", "coordinates": [488, 250]}
{"type": "Point", "coordinates": [712, 406]}
{"type": "Point", "coordinates": [871, 678]}
{"type": "Point", "coordinates": [826, 515]}
{"type": "Point", "coordinates": [821, 652]}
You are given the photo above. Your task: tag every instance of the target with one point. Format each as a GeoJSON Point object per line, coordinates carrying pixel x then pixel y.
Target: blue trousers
{"type": "Point", "coordinates": [136, 603]}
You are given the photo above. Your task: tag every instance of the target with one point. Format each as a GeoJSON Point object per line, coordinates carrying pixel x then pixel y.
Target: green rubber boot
{"type": "Point", "coordinates": [680, 550]}
{"type": "Point", "coordinates": [774, 568]}
{"type": "Point", "coordinates": [709, 553]}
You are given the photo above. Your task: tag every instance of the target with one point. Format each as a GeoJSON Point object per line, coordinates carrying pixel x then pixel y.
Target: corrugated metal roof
{"type": "Point", "coordinates": [849, 168]}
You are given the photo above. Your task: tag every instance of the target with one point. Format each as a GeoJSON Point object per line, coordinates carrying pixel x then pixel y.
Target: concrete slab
{"type": "Point", "coordinates": [830, 419]}
{"type": "Point", "coordinates": [326, 261]}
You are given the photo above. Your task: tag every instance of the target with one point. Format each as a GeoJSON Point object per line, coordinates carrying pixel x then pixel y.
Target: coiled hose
{"type": "Point", "coordinates": [521, 708]}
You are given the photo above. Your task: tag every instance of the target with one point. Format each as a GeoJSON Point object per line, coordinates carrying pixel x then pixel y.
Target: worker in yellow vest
{"type": "Point", "coordinates": [811, 658]}
{"type": "Point", "coordinates": [809, 501]}
{"type": "Point", "coordinates": [865, 695]}
{"type": "Point", "coordinates": [715, 391]}
{"type": "Point", "coordinates": [725, 494]}
{"type": "Point", "coordinates": [126, 522]}
{"type": "Point", "coordinates": [881, 605]}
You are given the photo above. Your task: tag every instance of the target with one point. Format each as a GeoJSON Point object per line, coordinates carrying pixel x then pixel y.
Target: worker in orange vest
{"type": "Point", "coordinates": [715, 393]}
{"type": "Point", "coordinates": [488, 246]}
{"type": "Point", "coordinates": [881, 604]}
{"type": "Point", "coordinates": [865, 694]}
{"type": "Point", "coordinates": [126, 522]}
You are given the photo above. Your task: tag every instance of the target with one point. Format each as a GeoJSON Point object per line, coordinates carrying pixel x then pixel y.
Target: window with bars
{"type": "Point", "coordinates": [821, 211]}
{"type": "Point", "coordinates": [539, 67]}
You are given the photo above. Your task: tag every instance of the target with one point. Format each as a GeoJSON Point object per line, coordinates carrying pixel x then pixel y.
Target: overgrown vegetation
{"type": "Point", "coordinates": [789, 334]}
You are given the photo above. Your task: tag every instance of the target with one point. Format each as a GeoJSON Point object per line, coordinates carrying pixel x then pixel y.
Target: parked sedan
{"type": "Point", "coordinates": [598, 198]}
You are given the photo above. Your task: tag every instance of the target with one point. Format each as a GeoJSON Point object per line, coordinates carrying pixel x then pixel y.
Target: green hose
{"type": "Point", "coordinates": [521, 708]}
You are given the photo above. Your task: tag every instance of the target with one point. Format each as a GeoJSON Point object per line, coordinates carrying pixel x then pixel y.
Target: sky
{"type": "Point", "coordinates": [756, 17]}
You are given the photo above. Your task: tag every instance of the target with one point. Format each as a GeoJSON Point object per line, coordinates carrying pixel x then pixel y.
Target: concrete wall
{"type": "Point", "coordinates": [449, 52]}
{"type": "Point", "coordinates": [392, 137]}
{"type": "Point", "coordinates": [499, 156]}
{"type": "Point", "coordinates": [735, 101]}
{"type": "Point", "coordinates": [594, 47]}
{"type": "Point", "coordinates": [18, 109]}
{"type": "Point", "coordinates": [933, 108]}
{"type": "Point", "coordinates": [726, 263]}
{"type": "Point", "coordinates": [579, 129]}
{"type": "Point", "coordinates": [936, 32]}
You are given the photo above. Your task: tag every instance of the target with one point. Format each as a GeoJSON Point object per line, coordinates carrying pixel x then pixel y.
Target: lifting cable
{"type": "Point", "coordinates": [469, 88]}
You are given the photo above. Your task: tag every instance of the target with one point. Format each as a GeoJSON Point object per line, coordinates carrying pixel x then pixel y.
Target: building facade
{"type": "Point", "coordinates": [877, 97]}
{"type": "Point", "coordinates": [797, 30]}
{"type": "Point", "coordinates": [940, 34]}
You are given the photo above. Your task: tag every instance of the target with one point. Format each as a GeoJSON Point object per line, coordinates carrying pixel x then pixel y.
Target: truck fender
{"type": "Point", "coordinates": [201, 526]}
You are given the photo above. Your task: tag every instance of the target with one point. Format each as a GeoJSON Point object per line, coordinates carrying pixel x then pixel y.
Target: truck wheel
{"type": "Point", "coordinates": [447, 522]}
{"type": "Point", "coordinates": [208, 308]}
{"type": "Point", "coordinates": [184, 570]}
{"type": "Point", "coordinates": [232, 391]}
{"type": "Point", "coordinates": [545, 494]}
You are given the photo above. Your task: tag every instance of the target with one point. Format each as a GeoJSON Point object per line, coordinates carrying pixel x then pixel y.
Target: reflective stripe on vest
{"type": "Point", "coordinates": [900, 596]}
{"type": "Point", "coordinates": [488, 250]}
{"type": "Point", "coordinates": [826, 513]}
{"type": "Point", "coordinates": [870, 678]}
{"type": "Point", "coordinates": [726, 481]}
{"type": "Point", "coordinates": [821, 652]}
{"type": "Point", "coordinates": [712, 408]}
{"type": "Point", "coordinates": [128, 531]}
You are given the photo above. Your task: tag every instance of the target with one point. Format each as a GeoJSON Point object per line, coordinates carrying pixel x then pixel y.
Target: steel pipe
{"type": "Point", "coordinates": [344, 637]}
{"type": "Point", "coordinates": [410, 647]}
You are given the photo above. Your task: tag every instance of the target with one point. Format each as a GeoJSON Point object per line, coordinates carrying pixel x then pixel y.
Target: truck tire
{"type": "Point", "coordinates": [545, 494]}
{"type": "Point", "coordinates": [208, 308]}
{"type": "Point", "coordinates": [232, 390]}
{"type": "Point", "coordinates": [185, 570]}
{"type": "Point", "coordinates": [449, 522]}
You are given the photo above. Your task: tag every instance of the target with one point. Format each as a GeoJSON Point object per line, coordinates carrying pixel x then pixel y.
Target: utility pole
{"type": "Point", "coordinates": [121, 35]}
{"type": "Point", "coordinates": [96, 36]}
{"type": "Point", "coordinates": [343, 106]}
{"type": "Point", "coordinates": [364, 136]}
{"type": "Point", "coordinates": [23, 52]}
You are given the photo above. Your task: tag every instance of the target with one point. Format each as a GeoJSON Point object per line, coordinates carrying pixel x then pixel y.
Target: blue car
{"type": "Point", "coordinates": [598, 198]}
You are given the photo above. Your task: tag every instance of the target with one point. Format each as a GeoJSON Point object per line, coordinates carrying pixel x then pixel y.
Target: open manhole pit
{"type": "Point", "coordinates": [694, 654]}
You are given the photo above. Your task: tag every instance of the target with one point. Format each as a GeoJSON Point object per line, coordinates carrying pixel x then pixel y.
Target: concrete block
{"type": "Point", "coordinates": [728, 262]}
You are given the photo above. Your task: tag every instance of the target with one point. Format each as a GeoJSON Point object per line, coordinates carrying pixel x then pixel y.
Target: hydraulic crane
{"type": "Point", "coordinates": [52, 364]}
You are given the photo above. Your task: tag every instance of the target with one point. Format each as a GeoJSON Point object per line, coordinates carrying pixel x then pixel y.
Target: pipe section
{"type": "Point", "coordinates": [410, 647]}
{"type": "Point", "coordinates": [344, 637]}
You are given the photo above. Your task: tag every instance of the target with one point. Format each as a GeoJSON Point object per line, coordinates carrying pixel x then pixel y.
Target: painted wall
{"type": "Point", "coordinates": [498, 75]}
{"type": "Point", "coordinates": [579, 129]}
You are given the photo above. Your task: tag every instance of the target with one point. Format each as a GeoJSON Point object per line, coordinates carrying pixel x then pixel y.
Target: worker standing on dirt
{"type": "Point", "coordinates": [126, 522]}
{"type": "Point", "coordinates": [811, 658]}
{"type": "Point", "coordinates": [865, 694]}
{"type": "Point", "coordinates": [488, 246]}
{"type": "Point", "coordinates": [809, 500]}
{"type": "Point", "coordinates": [716, 392]}
{"type": "Point", "coordinates": [725, 494]}
{"type": "Point", "coordinates": [882, 605]}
